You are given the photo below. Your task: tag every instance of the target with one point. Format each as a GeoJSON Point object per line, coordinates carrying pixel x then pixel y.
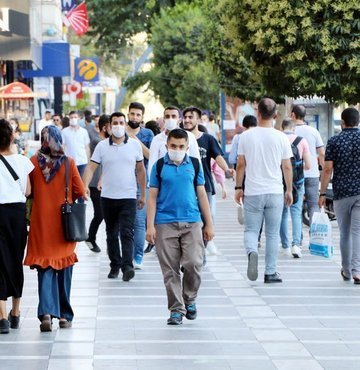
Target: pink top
{"type": "Point", "coordinates": [303, 146]}
{"type": "Point", "coordinates": [218, 172]}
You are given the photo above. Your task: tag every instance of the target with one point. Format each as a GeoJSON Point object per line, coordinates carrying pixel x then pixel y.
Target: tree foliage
{"type": "Point", "coordinates": [181, 73]}
{"type": "Point", "coordinates": [287, 47]}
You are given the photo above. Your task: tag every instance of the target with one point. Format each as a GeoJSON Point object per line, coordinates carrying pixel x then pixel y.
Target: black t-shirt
{"type": "Point", "coordinates": [209, 148]}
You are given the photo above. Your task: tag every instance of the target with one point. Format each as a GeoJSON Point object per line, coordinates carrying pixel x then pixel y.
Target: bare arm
{"type": "Point", "coordinates": [28, 187]}
{"type": "Point", "coordinates": [150, 215]}
{"type": "Point", "coordinates": [223, 165]}
{"type": "Point", "coordinates": [288, 176]}
{"type": "Point", "coordinates": [141, 179]}
{"type": "Point", "coordinates": [240, 172]}
{"type": "Point", "coordinates": [307, 160]}
{"type": "Point", "coordinates": [88, 175]}
{"type": "Point", "coordinates": [205, 211]}
{"type": "Point", "coordinates": [321, 153]}
{"type": "Point", "coordinates": [325, 179]}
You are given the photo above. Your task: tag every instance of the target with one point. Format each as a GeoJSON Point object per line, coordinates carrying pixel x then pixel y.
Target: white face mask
{"type": "Point", "coordinates": [14, 127]}
{"type": "Point", "coordinates": [118, 131]}
{"type": "Point", "coordinates": [73, 122]}
{"type": "Point", "coordinates": [176, 155]}
{"type": "Point", "coordinates": [171, 124]}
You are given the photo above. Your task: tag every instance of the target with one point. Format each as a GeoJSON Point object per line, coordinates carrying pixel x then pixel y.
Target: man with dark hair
{"type": "Point", "coordinates": [174, 224]}
{"type": "Point", "coordinates": [342, 159]}
{"type": "Point", "coordinates": [57, 120]}
{"type": "Point", "coordinates": [262, 152]}
{"type": "Point", "coordinates": [316, 146]}
{"type": "Point", "coordinates": [101, 129]}
{"type": "Point", "coordinates": [172, 117]}
{"type": "Point", "coordinates": [144, 136]}
{"type": "Point", "coordinates": [46, 121]}
{"type": "Point", "coordinates": [121, 159]}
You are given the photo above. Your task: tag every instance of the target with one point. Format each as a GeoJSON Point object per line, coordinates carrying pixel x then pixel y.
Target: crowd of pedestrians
{"type": "Point", "coordinates": [158, 186]}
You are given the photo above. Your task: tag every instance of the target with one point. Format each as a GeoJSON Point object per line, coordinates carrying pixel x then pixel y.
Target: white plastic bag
{"type": "Point", "coordinates": [240, 213]}
{"type": "Point", "coordinates": [320, 235]}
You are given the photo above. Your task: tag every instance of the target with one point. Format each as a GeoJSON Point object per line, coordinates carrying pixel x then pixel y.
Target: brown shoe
{"type": "Point", "coordinates": [64, 324]}
{"type": "Point", "coordinates": [46, 324]}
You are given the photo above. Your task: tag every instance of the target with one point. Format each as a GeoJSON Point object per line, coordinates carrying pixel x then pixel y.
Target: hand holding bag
{"type": "Point", "coordinates": [73, 215]}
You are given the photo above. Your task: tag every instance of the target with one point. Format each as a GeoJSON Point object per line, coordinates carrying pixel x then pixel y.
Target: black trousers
{"type": "Point", "coordinates": [98, 213]}
{"type": "Point", "coordinates": [119, 216]}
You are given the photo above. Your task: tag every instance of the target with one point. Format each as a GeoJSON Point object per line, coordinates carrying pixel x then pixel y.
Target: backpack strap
{"type": "Point", "coordinates": [297, 140]}
{"type": "Point", "coordinates": [159, 167]}
{"type": "Point", "coordinates": [9, 168]}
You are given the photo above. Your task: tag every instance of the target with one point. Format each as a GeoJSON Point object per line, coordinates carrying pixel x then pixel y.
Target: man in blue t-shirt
{"type": "Point", "coordinates": [342, 159]}
{"type": "Point", "coordinates": [174, 224]}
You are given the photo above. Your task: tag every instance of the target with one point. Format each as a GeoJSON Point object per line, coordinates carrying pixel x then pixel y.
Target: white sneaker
{"type": "Point", "coordinates": [138, 266]}
{"type": "Point", "coordinates": [211, 248]}
{"type": "Point", "coordinates": [286, 252]}
{"type": "Point", "coordinates": [296, 251]}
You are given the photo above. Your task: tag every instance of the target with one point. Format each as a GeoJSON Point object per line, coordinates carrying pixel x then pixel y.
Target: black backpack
{"type": "Point", "coordinates": [160, 165]}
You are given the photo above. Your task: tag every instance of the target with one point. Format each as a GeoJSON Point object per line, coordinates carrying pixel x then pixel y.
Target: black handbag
{"type": "Point", "coordinates": [73, 215]}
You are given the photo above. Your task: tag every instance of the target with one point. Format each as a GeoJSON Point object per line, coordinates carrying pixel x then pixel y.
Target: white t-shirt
{"type": "Point", "coordinates": [264, 149]}
{"type": "Point", "coordinates": [118, 164]}
{"type": "Point", "coordinates": [312, 136]}
{"type": "Point", "coordinates": [75, 142]}
{"type": "Point", "coordinates": [12, 191]}
{"type": "Point", "coordinates": [158, 148]}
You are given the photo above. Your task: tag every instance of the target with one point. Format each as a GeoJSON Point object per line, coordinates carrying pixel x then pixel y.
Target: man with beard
{"type": "Point", "coordinates": [144, 136]}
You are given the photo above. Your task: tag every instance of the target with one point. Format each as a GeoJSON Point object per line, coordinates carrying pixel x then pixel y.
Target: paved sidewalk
{"type": "Point", "coordinates": [311, 321]}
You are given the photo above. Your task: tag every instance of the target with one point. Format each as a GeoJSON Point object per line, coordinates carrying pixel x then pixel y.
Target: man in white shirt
{"type": "Point", "coordinates": [263, 151]}
{"type": "Point", "coordinates": [158, 148]}
{"type": "Point", "coordinates": [316, 146]}
{"type": "Point", "coordinates": [122, 164]}
{"type": "Point", "coordinates": [76, 143]}
{"type": "Point", "coordinates": [46, 121]}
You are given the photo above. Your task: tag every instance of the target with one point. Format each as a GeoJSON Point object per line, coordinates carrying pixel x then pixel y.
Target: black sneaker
{"type": "Point", "coordinates": [191, 312]}
{"type": "Point", "coordinates": [128, 274]}
{"type": "Point", "coordinates": [149, 248]}
{"type": "Point", "coordinates": [175, 318]}
{"type": "Point", "coordinates": [252, 270]}
{"type": "Point", "coordinates": [273, 278]}
{"type": "Point", "coordinates": [93, 246]}
{"type": "Point", "coordinates": [14, 321]}
{"type": "Point", "coordinates": [4, 326]}
{"type": "Point", "coordinates": [114, 273]}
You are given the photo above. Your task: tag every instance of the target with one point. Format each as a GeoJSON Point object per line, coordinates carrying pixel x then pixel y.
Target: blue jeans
{"type": "Point", "coordinates": [139, 232]}
{"type": "Point", "coordinates": [269, 207]}
{"type": "Point", "coordinates": [296, 219]}
{"type": "Point", "coordinates": [54, 293]}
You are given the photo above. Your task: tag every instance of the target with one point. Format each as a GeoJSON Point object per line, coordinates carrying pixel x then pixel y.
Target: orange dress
{"type": "Point", "coordinates": [47, 246]}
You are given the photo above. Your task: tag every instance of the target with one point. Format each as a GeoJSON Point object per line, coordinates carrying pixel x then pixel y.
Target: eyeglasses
{"type": "Point", "coordinates": [56, 119]}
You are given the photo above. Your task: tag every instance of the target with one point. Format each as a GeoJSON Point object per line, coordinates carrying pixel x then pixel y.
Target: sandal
{"type": "Point", "coordinates": [345, 278]}
{"type": "Point", "coordinates": [356, 280]}
{"type": "Point", "coordinates": [46, 323]}
{"type": "Point", "coordinates": [64, 324]}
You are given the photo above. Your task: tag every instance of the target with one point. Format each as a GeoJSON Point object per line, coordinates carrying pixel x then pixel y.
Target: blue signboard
{"type": "Point", "coordinates": [66, 5]}
{"type": "Point", "coordinates": [86, 69]}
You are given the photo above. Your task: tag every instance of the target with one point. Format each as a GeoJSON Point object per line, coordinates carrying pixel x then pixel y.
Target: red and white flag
{"type": "Point", "coordinates": [77, 19]}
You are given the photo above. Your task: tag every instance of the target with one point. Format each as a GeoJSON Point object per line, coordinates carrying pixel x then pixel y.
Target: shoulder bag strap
{"type": "Point", "coordinates": [66, 160]}
{"type": "Point", "coordinates": [10, 169]}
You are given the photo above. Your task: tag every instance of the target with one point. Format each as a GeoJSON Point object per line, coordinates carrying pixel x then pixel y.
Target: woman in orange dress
{"type": "Point", "coordinates": [47, 250]}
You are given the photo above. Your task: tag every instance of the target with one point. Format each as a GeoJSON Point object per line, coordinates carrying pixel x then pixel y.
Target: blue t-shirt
{"type": "Point", "coordinates": [344, 151]}
{"type": "Point", "coordinates": [177, 200]}
{"type": "Point", "coordinates": [145, 136]}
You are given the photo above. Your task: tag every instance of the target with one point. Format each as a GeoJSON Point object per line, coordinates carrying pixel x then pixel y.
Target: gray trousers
{"type": "Point", "coordinates": [347, 211]}
{"type": "Point", "coordinates": [180, 244]}
{"type": "Point", "coordinates": [312, 195]}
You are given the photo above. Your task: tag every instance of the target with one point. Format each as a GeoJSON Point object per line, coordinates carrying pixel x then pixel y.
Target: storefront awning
{"type": "Point", "coordinates": [17, 90]}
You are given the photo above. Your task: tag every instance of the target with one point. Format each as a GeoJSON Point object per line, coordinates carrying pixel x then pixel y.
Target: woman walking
{"type": "Point", "coordinates": [48, 251]}
{"type": "Point", "coordinates": [14, 187]}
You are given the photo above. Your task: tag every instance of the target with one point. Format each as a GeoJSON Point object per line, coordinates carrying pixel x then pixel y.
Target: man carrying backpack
{"type": "Point", "coordinates": [301, 160]}
{"type": "Point", "coordinates": [174, 224]}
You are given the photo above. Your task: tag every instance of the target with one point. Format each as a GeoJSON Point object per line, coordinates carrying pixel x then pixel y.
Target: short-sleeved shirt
{"type": "Point", "coordinates": [12, 191]}
{"type": "Point", "coordinates": [264, 148]}
{"type": "Point", "coordinates": [344, 151]}
{"type": "Point", "coordinates": [76, 141]}
{"type": "Point", "coordinates": [209, 148]}
{"type": "Point", "coordinates": [177, 200]}
{"type": "Point", "coordinates": [118, 163]}
{"type": "Point", "coordinates": [312, 136]}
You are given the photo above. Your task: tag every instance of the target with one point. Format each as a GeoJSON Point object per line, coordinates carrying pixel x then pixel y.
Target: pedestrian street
{"type": "Point", "coordinates": [310, 321]}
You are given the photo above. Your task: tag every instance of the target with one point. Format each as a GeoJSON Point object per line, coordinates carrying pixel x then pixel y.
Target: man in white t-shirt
{"type": "Point", "coordinates": [46, 121]}
{"type": "Point", "coordinates": [76, 142]}
{"type": "Point", "coordinates": [262, 152]}
{"type": "Point", "coordinates": [122, 163]}
{"type": "Point", "coordinates": [158, 148]}
{"type": "Point", "coordinates": [316, 146]}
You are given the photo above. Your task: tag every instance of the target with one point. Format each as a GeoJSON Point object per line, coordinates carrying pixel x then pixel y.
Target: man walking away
{"type": "Point", "coordinates": [342, 159]}
{"type": "Point", "coordinates": [263, 151]}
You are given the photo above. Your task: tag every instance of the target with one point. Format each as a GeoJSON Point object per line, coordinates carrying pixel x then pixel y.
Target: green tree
{"type": "Point", "coordinates": [181, 73]}
{"type": "Point", "coordinates": [287, 47]}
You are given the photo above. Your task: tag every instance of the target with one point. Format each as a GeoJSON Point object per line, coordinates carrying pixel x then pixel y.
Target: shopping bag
{"type": "Point", "coordinates": [240, 213]}
{"type": "Point", "coordinates": [320, 235]}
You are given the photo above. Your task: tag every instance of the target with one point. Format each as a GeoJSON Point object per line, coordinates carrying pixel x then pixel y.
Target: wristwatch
{"type": "Point", "coordinates": [322, 195]}
{"type": "Point", "coordinates": [238, 187]}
